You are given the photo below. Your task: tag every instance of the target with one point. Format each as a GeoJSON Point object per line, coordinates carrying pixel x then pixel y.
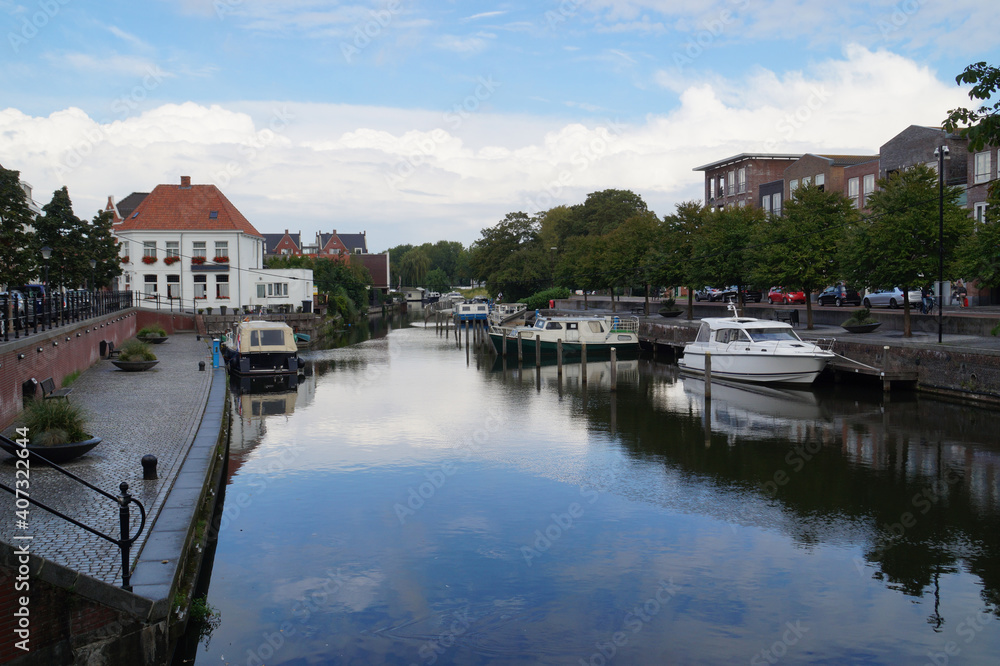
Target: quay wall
{"type": "Point", "coordinates": [56, 353]}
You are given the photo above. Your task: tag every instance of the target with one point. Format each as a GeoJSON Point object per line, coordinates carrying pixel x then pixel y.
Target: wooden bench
{"type": "Point", "coordinates": [638, 310]}
{"type": "Point", "coordinates": [789, 316]}
{"type": "Point", "coordinates": [50, 392]}
{"type": "Point", "coordinates": [109, 349]}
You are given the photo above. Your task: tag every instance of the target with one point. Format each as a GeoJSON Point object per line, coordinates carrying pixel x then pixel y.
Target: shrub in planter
{"type": "Point", "coordinates": [125, 259]}
{"type": "Point", "coordinates": [197, 260]}
{"type": "Point", "coordinates": [201, 310]}
{"type": "Point", "coordinates": [221, 259]}
{"type": "Point", "coordinates": [171, 260]}
{"type": "Point", "coordinates": [149, 260]}
{"type": "Point", "coordinates": [209, 309]}
{"type": "Point", "coordinates": [154, 331]}
{"type": "Point", "coordinates": [55, 422]}
{"type": "Point", "coordinates": [136, 350]}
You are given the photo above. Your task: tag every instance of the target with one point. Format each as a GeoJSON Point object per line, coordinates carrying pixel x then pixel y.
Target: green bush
{"type": "Point", "coordinates": [136, 350]}
{"type": "Point", "coordinates": [541, 299]}
{"type": "Point", "coordinates": [52, 422]}
{"type": "Point", "coordinates": [154, 331]}
{"type": "Point", "coordinates": [860, 318]}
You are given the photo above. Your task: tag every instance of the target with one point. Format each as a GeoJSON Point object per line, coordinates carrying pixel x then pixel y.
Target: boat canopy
{"type": "Point", "coordinates": [265, 337]}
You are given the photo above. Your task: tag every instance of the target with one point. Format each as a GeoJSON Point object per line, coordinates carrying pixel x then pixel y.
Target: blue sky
{"type": "Point", "coordinates": [420, 121]}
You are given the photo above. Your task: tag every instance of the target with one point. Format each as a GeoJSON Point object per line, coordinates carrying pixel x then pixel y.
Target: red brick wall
{"type": "Point", "coordinates": [172, 322]}
{"type": "Point", "coordinates": [58, 356]}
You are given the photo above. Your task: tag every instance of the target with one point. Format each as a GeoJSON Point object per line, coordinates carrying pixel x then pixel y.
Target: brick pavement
{"type": "Point", "coordinates": [135, 413]}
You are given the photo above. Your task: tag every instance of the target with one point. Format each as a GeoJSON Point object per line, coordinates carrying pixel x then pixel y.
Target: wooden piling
{"type": "Point", "coordinates": [538, 352]}
{"type": "Point", "coordinates": [708, 375]}
{"type": "Point", "coordinates": [520, 349]}
{"type": "Point", "coordinates": [583, 362]}
{"type": "Point", "coordinates": [614, 369]}
{"type": "Point", "coordinates": [559, 357]}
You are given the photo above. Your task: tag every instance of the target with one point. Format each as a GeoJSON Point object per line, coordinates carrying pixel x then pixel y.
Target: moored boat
{"type": "Point", "coordinates": [475, 309]}
{"type": "Point", "coordinates": [599, 333]}
{"type": "Point", "coordinates": [755, 350]}
{"type": "Point", "coordinates": [261, 347]}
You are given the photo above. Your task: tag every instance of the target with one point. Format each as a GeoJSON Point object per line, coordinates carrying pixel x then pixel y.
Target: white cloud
{"type": "Point", "coordinates": [464, 45]}
{"type": "Point", "coordinates": [411, 175]}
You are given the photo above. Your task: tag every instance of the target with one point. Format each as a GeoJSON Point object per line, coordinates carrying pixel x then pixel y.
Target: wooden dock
{"type": "Point", "coordinates": [844, 369]}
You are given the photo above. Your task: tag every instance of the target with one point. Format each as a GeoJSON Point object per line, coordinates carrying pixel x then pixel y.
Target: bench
{"type": "Point", "coordinates": [50, 392]}
{"type": "Point", "coordinates": [108, 349]}
{"type": "Point", "coordinates": [788, 316]}
{"type": "Point", "coordinates": [638, 310]}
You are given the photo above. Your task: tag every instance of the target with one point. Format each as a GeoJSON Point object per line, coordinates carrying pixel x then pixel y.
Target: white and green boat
{"type": "Point", "coordinates": [600, 333]}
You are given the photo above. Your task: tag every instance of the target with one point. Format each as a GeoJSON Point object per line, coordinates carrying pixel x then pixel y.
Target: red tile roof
{"type": "Point", "coordinates": [187, 208]}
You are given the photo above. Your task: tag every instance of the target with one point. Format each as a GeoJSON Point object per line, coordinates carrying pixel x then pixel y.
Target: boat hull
{"type": "Point", "coordinates": [570, 348]}
{"type": "Point", "coordinates": [769, 368]}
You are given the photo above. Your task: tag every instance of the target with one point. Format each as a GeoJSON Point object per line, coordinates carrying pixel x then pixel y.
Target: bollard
{"type": "Point", "coordinates": [149, 466]}
{"type": "Point", "coordinates": [201, 366]}
{"type": "Point", "coordinates": [708, 375]}
{"type": "Point", "coordinates": [583, 362]}
{"type": "Point", "coordinates": [559, 357]}
{"type": "Point", "coordinates": [614, 370]}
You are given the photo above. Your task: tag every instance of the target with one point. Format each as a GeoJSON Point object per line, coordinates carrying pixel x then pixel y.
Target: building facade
{"type": "Point", "coordinates": [736, 180]}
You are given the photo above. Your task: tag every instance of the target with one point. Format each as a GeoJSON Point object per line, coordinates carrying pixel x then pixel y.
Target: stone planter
{"type": "Point", "coordinates": [133, 366]}
{"type": "Point", "coordinates": [61, 453]}
{"type": "Point", "coordinates": [862, 328]}
{"type": "Point", "coordinates": [670, 313]}
{"type": "Point", "coordinates": [153, 340]}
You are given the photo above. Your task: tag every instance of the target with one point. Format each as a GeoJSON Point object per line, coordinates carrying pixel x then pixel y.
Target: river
{"type": "Point", "coordinates": [412, 503]}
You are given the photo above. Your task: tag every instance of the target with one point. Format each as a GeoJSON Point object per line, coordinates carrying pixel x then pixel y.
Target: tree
{"type": "Point", "coordinates": [628, 258]}
{"type": "Point", "coordinates": [983, 124]}
{"type": "Point", "coordinates": [897, 244]}
{"type": "Point", "coordinates": [102, 247]}
{"type": "Point", "coordinates": [492, 254]}
{"type": "Point", "coordinates": [18, 254]}
{"type": "Point", "coordinates": [414, 266]}
{"type": "Point", "coordinates": [799, 250]}
{"type": "Point", "coordinates": [672, 256]}
{"type": "Point", "coordinates": [720, 252]}
{"type": "Point", "coordinates": [604, 211]}
{"type": "Point", "coordinates": [979, 252]}
{"type": "Point", "coordinates": [60, 229]}
{"type": "Point", "coordinates": [437, 280]}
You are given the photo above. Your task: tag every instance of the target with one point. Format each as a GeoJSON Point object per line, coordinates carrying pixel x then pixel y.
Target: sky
{"type": "Point", "coordinates": [424, 121]}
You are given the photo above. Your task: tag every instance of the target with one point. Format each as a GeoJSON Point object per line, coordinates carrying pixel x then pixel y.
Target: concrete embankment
{"type": "Point", "coordinates": [77, 611]}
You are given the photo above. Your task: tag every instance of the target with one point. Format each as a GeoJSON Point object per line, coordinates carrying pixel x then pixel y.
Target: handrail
{"type": "Point", "coordinates": [25, 315]}
{"type": "Point", "coordinates": [124, 542]}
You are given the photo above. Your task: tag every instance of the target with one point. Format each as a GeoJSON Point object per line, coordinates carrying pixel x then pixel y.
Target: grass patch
{"type": "Point", "coordinates": [53, 422]}
{"type": "Point", "coordinates": [70, 378]}
{"type": "Point", "coordinates": [136, 350]}
{"type": "Point", "coordinates": [154, 331]}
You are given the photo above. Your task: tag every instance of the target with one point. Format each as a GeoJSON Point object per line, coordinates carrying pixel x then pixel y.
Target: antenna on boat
{"type": "Point", "coordinates": [732, 308]}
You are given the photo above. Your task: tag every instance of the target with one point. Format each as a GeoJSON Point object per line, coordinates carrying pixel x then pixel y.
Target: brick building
{"type": "Point", "coordinates": [736, 180]}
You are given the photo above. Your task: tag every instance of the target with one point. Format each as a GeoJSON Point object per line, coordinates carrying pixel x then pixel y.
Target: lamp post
{"type": "Point", "coordinates": [46, 255]}
{"type": "Point", "coordinates": [941, 153]}
{"type": "Point", "coordinates": [93, 280]}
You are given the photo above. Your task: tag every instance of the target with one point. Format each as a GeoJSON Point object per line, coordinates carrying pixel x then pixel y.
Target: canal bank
{"type": "Point", "coordinates": [78, 611]}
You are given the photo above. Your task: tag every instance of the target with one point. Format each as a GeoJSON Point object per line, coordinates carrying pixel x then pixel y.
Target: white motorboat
{"type": "Point", "coordinates": [600, 334]}
{"type": "Point", "coordinates": [257, 347]}
{"type": "Point", "coordinates": [507, 314]}
{"type": "Point", "coordinates": [755, 350]}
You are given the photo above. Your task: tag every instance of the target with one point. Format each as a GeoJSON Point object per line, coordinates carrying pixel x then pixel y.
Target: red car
{"type": "Point", "coordinates": [785, 296]}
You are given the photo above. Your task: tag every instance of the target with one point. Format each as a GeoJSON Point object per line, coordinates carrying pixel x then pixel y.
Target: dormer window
{"type": "Point", "coordinates": [213, 214]}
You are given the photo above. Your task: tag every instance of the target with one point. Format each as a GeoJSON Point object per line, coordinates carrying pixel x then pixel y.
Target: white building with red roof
{"type": "Point", "coordinates": [188, 246]}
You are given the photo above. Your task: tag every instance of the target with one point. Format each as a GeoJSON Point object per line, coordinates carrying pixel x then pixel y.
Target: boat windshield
{"type": "Point", "coordinates": [762, 334]}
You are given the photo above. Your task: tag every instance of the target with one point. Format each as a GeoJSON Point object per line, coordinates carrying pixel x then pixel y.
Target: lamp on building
{"type": "Point", "coordinates": [941, 153]}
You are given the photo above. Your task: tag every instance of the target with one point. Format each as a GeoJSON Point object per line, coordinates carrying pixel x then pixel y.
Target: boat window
{"type": "Point", "coordinates": [572, 326]}
{"type": "Point", "coordinates": [742, 336]}
{"type": "Point", "coordinates": [595, 327]}
{"type": "Point", "coordinates": [539, 323]}
{"type": "Point", "coordinates": [703, 333]}
{"type": "Point", "coordinates": [761, 334]}
{"type": "Point", "coordinates": [723, 335]}
{"type": "Point", "coordinates": [553, 326]}
{"type": "Point", "coordinates": [259, 338]}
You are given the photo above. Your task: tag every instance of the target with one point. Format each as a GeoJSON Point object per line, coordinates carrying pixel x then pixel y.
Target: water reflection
{"type": "Point", "coordinates": [416, 508]}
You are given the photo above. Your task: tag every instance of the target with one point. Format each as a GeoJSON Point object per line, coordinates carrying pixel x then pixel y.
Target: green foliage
{"type": "Point", "coordinates": [979, 251]}
{"type": "Point", "coordinates": [102, 247]}
{"type": "Point", "coordinates": [18, 254]}
{"type": "Point", "coordinates": [136, 350]}
{"type": "Point", "coordinates": [64, 232]}
{"type": "Point", "coordinates": [859, 318]}
{"type": "Point", "coordinates": [995, 331]}
{"type": "Point", "coordinates": [720, 253]}
{"type": "Point", "coordinates": [70, 378]}
{"type": "Point", "coordinates": [414, 266]}
{"type": "Point", "coordinates": [329, 274]}
{"type": "Point", "coordinates": [52, 422]}
{"type": "Point", "coordinates": [671, 258]}
{"type": "Point", "coordinates": [668, 305]}
{"type": "Point", "coordinates": [541, 299]}
{"type": "Point", "coordinates": [154, 331]}
{"type": "Point", "coordinates": [437, 280]}
{"type": "Point", "coordinates": [982, 124]}
{"type": "Point", "coordinates": [341, 303]}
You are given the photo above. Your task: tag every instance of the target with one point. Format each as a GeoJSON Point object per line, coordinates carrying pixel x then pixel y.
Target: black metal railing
{"type": "Point", "coordinates": [124, 542]}
{"type": "Point", "coordinates": [23, 315]}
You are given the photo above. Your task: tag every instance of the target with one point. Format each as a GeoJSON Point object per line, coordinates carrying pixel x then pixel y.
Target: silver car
{"type": "Point", "coordinates": [890, 298]}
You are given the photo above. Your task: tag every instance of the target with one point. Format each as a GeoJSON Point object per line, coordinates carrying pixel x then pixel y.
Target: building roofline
{"type": "Point", "coordinates": [748, 156]}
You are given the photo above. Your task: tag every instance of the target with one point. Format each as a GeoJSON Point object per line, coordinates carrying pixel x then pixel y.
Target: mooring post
{"type": "Point", "coordinates": [559, 357]}
{"type": "Point", "coordinates": [614, 369]}
{"type": "Point", "coordinates": [583, 361]}
{"type": "Point", "coordinates": [886, 383]}
{"type": "Point", "coordinates": [520, 349]}
{"type": "Point", "coordinates": [708, 375]}
{"type": "Point", "coordinates": [538, 352]}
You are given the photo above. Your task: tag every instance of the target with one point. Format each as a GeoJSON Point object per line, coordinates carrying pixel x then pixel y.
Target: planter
{"type": "Point", "coordinates": [670, 313]}
{"type": "Point", "coordinates": [153, 340]}
{"type": "Point", "coordinates": [862, 328]}
{"type": "Point", "coordinates": [133, 366]}
{"type": "Point", "coordinates": [58, 454]}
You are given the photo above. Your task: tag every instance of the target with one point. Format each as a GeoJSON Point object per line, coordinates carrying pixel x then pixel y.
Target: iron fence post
{"type": "Point", "coordinates": [124, 542]}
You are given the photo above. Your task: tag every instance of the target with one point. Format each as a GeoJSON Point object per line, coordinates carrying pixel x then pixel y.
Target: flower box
{"type": "Point", "coordinates": [125, 259]}
{"type": "Point", "coordinates": [149, 260]}
{"type": "Point", "coordinates": [197, 260]}
{"type": "Point", "coordinates": [221, 259]}
{"type": "Point", "coordinates": [171, 260]}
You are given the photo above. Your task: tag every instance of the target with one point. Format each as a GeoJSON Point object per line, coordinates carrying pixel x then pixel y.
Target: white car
{"type": "Point", "coordinates": [891, 298]}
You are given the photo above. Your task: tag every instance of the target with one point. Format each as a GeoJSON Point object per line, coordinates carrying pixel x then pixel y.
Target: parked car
{"type": "Point", "coordinates": [891, 298]}
{"type": "Point", "coordinates": [785, 296]}
{"type": "Point", "coordinates": [839, 295]}
{"type": "Point", "coordinates": [750, 294]}
{"type": "Point", "coordinates": [708, 294]}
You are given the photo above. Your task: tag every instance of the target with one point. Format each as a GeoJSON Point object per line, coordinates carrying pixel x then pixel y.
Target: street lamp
{"type": "Point", "coordinates": [941, 154]}
{"type": "Point", "coordinates": [46, 255]}
{"type": "Point", "coordinates": [93, 280]}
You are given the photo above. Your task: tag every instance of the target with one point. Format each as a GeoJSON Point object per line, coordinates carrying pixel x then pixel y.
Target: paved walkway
{"type": "Point", "coordinates": [157, 412]}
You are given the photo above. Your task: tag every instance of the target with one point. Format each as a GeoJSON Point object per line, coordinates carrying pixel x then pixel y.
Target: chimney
{"type": "Point", "coordinates": [286, 232]}
{"type": "Point", "coordinates": [185, 181]}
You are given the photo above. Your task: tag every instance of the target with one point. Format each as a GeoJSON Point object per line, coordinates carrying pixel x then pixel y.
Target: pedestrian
{"type": "Point", "coordinates": [960, 292]}
{"type": "Point", "coordinates": [925, 300]}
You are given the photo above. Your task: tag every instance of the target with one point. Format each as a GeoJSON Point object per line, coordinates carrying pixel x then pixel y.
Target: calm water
{"type": "Point", "coordinates": [410, 504]}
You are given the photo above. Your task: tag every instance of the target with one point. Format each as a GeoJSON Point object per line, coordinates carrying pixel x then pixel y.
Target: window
{"type": "Point", "coordinates": [776, 203]}
{"type": "Point", "coordinates": [276, 289]}
{"type": "Point", "coordinates": [149, 286]}
{"type": "Point", "coordinates": [765, 203]}
{"type": "Point", "coordinates": [741, 203]}
{"type": "Point", "coordinates": [553, 326]}
{"type": "Point", "coordinates": [732, 183]}
{"type": "Point", "coordinates": [869, 184]}
{"type": "Point", "coordinates": [149, 249]}
{"type": "Point", "coordinates": [173, 249]}
{"type": "Point", "coordinates": [267, 338]}
{"type": "Point", "coordinates": [213, 214]}
{"type": "Point", "coordinates": [711, 188]}
{"type": "Point", "coordinates": [222, 248]}
{"type": "Point", "coordinates": [793, 185]}
{"type": "Point", "coordinates": [222, 286]}
{"type": "Point", "coordinates": [742, 179]}
{"type": "Point", "coordinates": [821, 181]}
{"type": "Point", "coordinates": [595, 327]}
{"type": "Point", "coordinates": [261, 290]}
{"type": "Point", "coordinates": [982, 167]}
{"type": "Point", "coordinates": [852, 191]}
{"type": "Point", "coordinates": [199, 249]}
{"type": "Point", "coordinates": [806, 181]}
{"type": "Point", "coordinates": [979, 213]}
{"type": "Point", "coordinates": [173, 286]}
{"type": "Point", "coordinates": [200, 286]}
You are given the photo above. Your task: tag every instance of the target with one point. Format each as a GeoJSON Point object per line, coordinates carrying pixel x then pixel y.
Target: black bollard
{"type": "Point", "coordinates": [149, 466]}
{"type": "Point", "coordinates": [201, 366]}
